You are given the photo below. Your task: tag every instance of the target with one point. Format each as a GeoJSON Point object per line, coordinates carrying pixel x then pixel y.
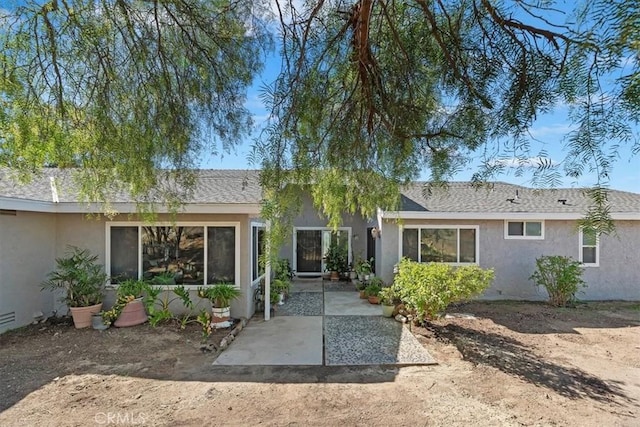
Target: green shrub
{"type": "Point", "coordinates": [428, 289]}
{"type": "Point", "coordinates": [561, 276]}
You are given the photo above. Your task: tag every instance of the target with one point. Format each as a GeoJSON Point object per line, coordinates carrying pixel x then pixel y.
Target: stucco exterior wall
{"type": "Point", "coordinates": [513, 260]}
{"type": "Point", "coordinates": [27, 254]}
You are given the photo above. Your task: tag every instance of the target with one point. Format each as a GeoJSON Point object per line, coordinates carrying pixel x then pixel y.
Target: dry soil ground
{"type": "Point", "coordinates": [514, 364]}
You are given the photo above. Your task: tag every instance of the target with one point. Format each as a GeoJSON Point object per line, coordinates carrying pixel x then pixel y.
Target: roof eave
{"type": "Point", "coordinates": [73, 207]}
{"type": "Point", "coordinates": [501, 215]}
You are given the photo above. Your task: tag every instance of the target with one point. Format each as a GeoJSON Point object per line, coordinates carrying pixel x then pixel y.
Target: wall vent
{"type": "Point", "coordinates": [8, 212]}
{"type": "Point", "coordinates": [7, 318]}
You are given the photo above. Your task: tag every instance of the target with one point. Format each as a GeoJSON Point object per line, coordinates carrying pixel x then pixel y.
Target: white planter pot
{"type": "Point", "coordinates": [220, 315]}
{"type": "Point", "coordinates": [281, 300]}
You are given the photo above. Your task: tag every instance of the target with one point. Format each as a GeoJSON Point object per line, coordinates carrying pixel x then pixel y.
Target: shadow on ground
{"type": "Point", "coordinates": [541, 318]}
{"type": "Point", "coordinates": [514, 358]}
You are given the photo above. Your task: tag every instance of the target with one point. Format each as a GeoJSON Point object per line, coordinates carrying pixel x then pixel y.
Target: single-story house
{"type": "Point", "coordinates": [217, 237]}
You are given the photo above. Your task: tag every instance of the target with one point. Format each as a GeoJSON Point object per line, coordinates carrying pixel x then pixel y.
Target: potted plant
{"type": "Point", "coordinates": [336, 260]}
{"type": "Point", "coordinates": [373, 291]}
{"type": "Point", "coordinates": [220, 296]}
{"type": "Point", "coordinates": [363, 268]}
{"type": "Point", "coordinates": [388, 299]}
{"type": "Point", "coordinates": [360, 287]}
{"type": "Point", "coordinates": [129, 309]}
{"type": "Point", "coordinates": [281, 288]}
{"type": "Point", "coordinates": [82, 280]}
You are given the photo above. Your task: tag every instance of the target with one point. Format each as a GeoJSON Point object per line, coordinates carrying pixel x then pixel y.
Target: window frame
{"type": "Point", "coordinates": [204, 224]}
{"type": "Point", "coordinates": [419, 227]}
{"type": "Point", "coordinates": [524, 236]}
{"type": "Point", "coordinates": [581, 246]}
{"type": "Point", "coordinates": [255, 225]}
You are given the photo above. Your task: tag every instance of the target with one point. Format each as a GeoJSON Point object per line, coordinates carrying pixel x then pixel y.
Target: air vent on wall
{"type": "Point", "coordinates": [6, 318]}
{"type": "Point", "coordinates": [7, 212]}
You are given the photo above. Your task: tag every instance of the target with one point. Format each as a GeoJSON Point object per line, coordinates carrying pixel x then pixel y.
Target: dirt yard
{"type": "Point", "coordinates": [513, 364]}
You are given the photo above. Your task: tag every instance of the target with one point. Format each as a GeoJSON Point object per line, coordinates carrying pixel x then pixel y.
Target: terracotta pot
{"type": "Point", "coordinates": [374, 299]}
{"type": "Point", "coordinates": [335, 276]}
{"type": "Point", "coordinates": [219, 315]}
{"type": "Point", "coordinates": [363, 294]}
{"type": "Point", "coordinates": [387, 310]}
{"type": "Point", "coordinates": [132, 314]}
{"type": "Point", "coordinates": [82, 315]}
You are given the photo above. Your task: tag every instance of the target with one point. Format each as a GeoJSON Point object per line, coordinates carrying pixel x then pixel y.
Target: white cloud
{"type": "Point", "coordinates": [529, 162]}
{"type": "Point", "coordinates": [558, 129]}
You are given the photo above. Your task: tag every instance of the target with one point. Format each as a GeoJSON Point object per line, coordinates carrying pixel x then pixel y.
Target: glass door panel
{"type": "Point", "coordinates": [309, 251]}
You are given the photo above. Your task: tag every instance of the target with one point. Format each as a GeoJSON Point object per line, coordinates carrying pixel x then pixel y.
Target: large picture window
{"type": "Point", "coordinates": [456, 245]}
{"type": "Point", "coordinates": [194, 254]}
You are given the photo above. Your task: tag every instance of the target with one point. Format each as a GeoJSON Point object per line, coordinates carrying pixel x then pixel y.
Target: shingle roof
{"type": "Point", "coordinates": [243, 187]}
{"type": "Point", "coordinates": [462, 197]}
{"type": "Point", "coordinates": [212, 186]}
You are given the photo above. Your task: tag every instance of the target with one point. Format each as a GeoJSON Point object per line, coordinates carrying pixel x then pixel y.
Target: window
{"type": "Point", "coordinates": [257, 250]}
{"type": "Point", "coordinates": [196, 254]}
{"type": "Point", "coordinates": [589, 248]}
{"type": "Point", "coordinates": [124, 253]}
{"type": "Point", "coordinates": [524, 230]}
{"type": "Point", "coordinates": [453, 244]}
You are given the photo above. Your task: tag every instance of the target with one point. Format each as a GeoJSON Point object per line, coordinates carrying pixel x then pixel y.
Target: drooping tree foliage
{"type": "Point", "coordinates": [374, 92]}
{"type": "Point", "coordinates": [124, 88]}
{"type": "Point", "coordinates": [371, 92]}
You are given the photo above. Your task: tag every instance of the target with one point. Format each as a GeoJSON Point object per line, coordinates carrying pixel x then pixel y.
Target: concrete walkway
{"type": "Point", "coordinates": [325, 323]}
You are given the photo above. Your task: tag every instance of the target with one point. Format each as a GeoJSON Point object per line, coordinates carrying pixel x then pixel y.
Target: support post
{"type": "Point", "coordinates": [267, 275]}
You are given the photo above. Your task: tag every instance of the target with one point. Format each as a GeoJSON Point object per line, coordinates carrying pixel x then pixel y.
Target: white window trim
{"type": "Point", "coordinates": [428, 226]}
{"type": "Point", "coordinates": [294, 259]}
{"type": "Point", "coordinates": [253, 224]}
{"type": "Point", "coordinates": [581, 246]}
{"type": "Point", "coordinates": [204, 224]}
{"type": "Point", "coordinates": [524, 230]}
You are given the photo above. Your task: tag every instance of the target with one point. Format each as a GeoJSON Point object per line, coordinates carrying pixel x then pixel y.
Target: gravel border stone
{"type": "Point", "coordinates": [369, 340]}
{"type": "Point", "coordinates": [302, 304]}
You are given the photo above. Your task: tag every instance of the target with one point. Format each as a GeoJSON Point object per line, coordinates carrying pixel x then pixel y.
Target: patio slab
{"type": "Point", "coordinates": [339, 286]}
{"type": "Point", "coordinates": [286, 340]}
{"type": "Point", "coordinates": [301, 304]}
{"type": "Point", "coordinates": [348, 304]}
{"type": "Point", "coordinates": [366, 340]}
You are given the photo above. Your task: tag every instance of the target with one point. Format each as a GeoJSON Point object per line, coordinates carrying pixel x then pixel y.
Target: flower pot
{"type": "Point", "coordinates": [97, 322]}
{"type": "Point", "coordinates": [387, 310]}
{"type": "Point", "coordinates": [335, 276]}
{"type": "Point", "coordinates": [363, 294]}
{"type": "Point", "coordinates": [353, 275]}
{"type": "Point", "coordinates": [374, 299]}
{"type": "Point", "coordinates": [82, 315]}
{"type": "Point", "coordinates": [219, 315]}
{"type": "Point", "coordinates": [132, 314]}
{"type": "Point", "coordinates": [281, 298]}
